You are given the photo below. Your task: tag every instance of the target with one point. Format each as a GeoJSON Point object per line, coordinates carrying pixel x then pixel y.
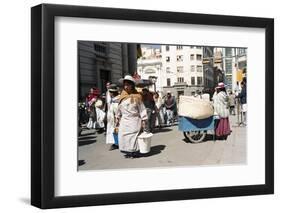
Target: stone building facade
{"type": "Point", "coordinates": [100, 62]}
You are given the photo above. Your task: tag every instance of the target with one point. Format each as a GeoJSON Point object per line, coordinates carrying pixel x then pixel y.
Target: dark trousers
{"type": "Point", "coordinates": [150, 120]}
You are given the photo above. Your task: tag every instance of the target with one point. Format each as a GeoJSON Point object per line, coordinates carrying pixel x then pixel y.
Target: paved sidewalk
{"type": "Point", "coordinates": [169, 148]}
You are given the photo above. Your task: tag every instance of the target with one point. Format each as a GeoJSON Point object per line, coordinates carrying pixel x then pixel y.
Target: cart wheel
{"type": "Point", "coordinates": [195, 136]}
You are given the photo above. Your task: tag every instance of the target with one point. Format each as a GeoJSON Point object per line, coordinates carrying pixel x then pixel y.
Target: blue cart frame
{"type": "Point", "coordinates": [187, 125]}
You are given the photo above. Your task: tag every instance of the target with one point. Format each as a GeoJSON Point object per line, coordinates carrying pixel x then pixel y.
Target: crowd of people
{"type": "Point", "coordinates": [124, 114]}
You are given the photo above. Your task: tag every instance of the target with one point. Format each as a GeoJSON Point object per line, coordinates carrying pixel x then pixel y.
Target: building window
{"type": "Point", "coordinates": [228, 66]}
{"type": "Point", "coordinates": [192, 68]}
{"type": "Point", "coordinates": [168, 69]}
{"type": "Point", "coordinates": [241, 51]}
{"type": "Point", "coordinates": [229, 81]}
{"type": "Point", "coordinates": [179, 58]}
{"type": "Point", "coordinates": [228, 52]}
{"type": "Point", "coordinates": [192, 57]}
{"type": "Point", "coordinates": [100, 48]}
{"type": "Point", "coordinates": [180, 69]}
{"type": "Point", "coordinates": [168, 59]}
{"type": "Point", "coordinates": [179, 47]}
{"type": "Point", "coordinates": [180, 80]}
{"type": "Point", "coordinates": [167, 47]}
{"type": "Point", "coordinates": [199, 80]}
{"type": "Point", "coordinates": [198, 47]}
{"type": "Point", "coordinates": [199, 57]}
{"type": "Point", "coordinates": [168, 82]}
{"type": "Point", "coordinates": [192, 81]}
{"type": "Point", "coordinates": [199, 68]}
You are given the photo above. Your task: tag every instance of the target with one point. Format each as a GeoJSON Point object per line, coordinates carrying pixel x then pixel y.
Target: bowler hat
{"type": "Point", "coordinates": [113, 88]}
{"type": "Point", "coordinates": [220, 85]}
{"type": "Point", "coordinates": [128, 78]}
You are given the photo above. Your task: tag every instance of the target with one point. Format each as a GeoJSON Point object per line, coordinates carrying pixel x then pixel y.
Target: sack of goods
{"type": "Point", "coordinates": [195, 108]}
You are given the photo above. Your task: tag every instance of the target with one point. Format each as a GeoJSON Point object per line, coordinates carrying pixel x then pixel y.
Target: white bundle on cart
{"type": "Point", "coordinates": [195, 108]}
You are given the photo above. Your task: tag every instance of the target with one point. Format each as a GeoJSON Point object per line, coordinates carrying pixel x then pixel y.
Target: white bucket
{"type": "Point", "coordinates": [144, 142]}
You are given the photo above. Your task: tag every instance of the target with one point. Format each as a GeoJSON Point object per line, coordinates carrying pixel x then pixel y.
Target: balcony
{"type": "Point", "coordinates": [180, 84]}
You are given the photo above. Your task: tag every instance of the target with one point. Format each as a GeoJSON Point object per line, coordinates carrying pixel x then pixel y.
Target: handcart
{"type": "Point", "coordinates": [195, 130]}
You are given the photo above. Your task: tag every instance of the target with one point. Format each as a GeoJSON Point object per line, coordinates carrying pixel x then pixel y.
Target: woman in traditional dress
{"type": "Point", "coordinates": [220, 99]}
{"type": "Point", "coordinates": [90, 104]}
{"type": "Point", "coordinates": [159, 113]}
{"type": "Point", "coordinates": [131, 118]}
{"type": "Point", "coordinates": [100, 115]}
{"type": "Point", "coordinates": [111, 115]}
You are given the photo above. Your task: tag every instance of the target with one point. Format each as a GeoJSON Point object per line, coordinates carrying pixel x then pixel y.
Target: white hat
{"type": "Point", "coordinates": [128, 78]}
{"type": "Point", "coordinates": [221, 85]}
{"type": "Point", "coordinates": [113, 88]}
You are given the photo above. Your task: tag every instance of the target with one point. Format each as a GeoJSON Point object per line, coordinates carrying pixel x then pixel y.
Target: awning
{"type": "Point", "coordinates": [143, 82]}
{"type": "Point", "coordinates": [139, 82]}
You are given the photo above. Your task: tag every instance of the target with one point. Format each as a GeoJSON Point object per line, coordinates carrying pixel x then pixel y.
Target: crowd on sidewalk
{"type": "Point", "coordinates": [125, 112]}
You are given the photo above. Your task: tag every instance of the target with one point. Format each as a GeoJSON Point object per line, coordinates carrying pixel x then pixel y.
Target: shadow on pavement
{"type": "Point", "coordinates": [163, 129]}
{"type": "Point", "coordinates": [88, 133]}
{"type": "Point", "coordinates": [80, 138]}
{"type": "Point", "coordinates": [86, 142]}
{"type": "Point", "coordinates": [209, 137]}
{"type": "Point", "coordinates": [81, 162]}
{"type": "Point", "coordinates": [154, 150]}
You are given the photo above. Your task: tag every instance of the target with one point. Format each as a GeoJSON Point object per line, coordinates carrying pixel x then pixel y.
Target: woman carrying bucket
{"type": "Point", "coordinates": [131, 118]}
{"type": "Point", "coordinates": [111, 117]}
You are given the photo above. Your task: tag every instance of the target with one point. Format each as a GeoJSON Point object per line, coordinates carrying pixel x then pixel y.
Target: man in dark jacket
{"type": "Point", "coordinates": [150, 109]}
{"type": "Point", "coordinates": [243, 101]}
{"type": "Point", "coordinates": [171, 108]}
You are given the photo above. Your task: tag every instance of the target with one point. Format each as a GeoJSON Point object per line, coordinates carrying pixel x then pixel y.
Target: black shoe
{"type": "Point", "coordinates": [113, 147]}
{"type": "Point", "coordinates": [136, 155]}
{"type": "Point", "coordinates": [129, 155]}
{"type": "Point", "coordinates": [132, 155]}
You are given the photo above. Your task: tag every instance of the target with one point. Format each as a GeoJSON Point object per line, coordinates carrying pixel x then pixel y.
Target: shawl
{"type": "Point", "coordinates": [134, 95]}
{"type": "Point", "coordinates": [221, 104]}
{"type": "Point", "coordinates": [115, 99]}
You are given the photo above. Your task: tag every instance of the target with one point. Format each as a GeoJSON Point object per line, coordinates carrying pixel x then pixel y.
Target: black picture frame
{"type": "Point", "coordinates": [43, 102]}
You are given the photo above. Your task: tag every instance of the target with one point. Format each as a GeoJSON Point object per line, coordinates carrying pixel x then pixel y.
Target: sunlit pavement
{"type": "Point", "coordinates": [169, 148]}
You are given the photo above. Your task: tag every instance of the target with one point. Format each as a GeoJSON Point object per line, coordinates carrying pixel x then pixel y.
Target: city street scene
{"type": "Point", "coordinates": [157, 105]}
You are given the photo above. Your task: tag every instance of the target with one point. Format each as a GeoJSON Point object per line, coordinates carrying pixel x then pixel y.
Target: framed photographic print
{"type": "Point", "coordinates": [136, 106]}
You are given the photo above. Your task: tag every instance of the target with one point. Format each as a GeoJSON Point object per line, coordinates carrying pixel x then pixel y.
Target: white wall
{"type": "Point", "coordinates": [15, 106]}
{"type": "Point", "coordinates": [186, 63]}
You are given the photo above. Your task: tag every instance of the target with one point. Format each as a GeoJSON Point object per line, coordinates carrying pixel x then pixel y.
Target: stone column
{"type": "Point", "coordinates": [132, 58]}
{"type": "Point", "coordinates": [125, 64]}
